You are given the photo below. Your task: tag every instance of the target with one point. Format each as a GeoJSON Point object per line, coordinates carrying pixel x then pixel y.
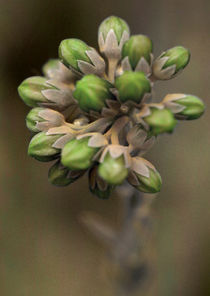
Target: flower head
{"type": "Point", "coordinates": [95, 114]}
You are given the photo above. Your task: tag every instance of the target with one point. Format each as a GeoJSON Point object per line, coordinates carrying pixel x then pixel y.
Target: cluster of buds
{"type": "Point", "coordinates": [93, 112]}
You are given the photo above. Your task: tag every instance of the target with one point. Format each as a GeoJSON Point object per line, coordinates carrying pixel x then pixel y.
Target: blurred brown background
{"type": "Point", "coordinates": [43, 248]}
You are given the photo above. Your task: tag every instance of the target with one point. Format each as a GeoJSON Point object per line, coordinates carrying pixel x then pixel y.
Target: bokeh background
{"type": "Point", "coordinates": [44, 250]}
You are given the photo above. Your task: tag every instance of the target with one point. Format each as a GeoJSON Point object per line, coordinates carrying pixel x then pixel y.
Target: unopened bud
{"type": "Point", "coordinates": [118, 25]}
{"type": "Point", "coordinates": [136, 48]}
{"type": "Point", "coordinates": [113, 33]}
{"type": "Point", "coordinates": [77, 155]}
{"type": "Point", "coordinates": [113, 170]}
{"type": "Point", "coordinates": [151, 184]}
{"type": "Point", "coordinates": [32, 118]}
{"type": "Point", "coordinates": [30, 90]}
{"type": "Point", "coordinates": [80, 57]}
{"type": "Point", "coordinates": [186, 107]}
{"type": "Point", "coordinates": [132, 86]}
{"type": "Point", "coordinates": [98, 186]}
{"type": "Point", "coordinates": [41, 147]}
{"type": "Point", "coordinates": [42, 119]}
{"type": "Point", "coordinates": [171, 62]}
{"type": "Point", "coordinates": [92, 92]}
{"type": "Point", "coordinates": [160, 121]}
{"type": "Point", "coordinates": [61, 176]}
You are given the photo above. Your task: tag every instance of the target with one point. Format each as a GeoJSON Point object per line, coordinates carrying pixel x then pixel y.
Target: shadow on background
{"type": "Point", "coordinates": [43, 248]}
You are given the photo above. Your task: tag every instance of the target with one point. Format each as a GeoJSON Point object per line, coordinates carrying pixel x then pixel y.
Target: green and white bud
{"type": "Point", "coordinates": [42, 119]}
{"type": "Point", "coordinates": [160, 121]}
{"type": "Point", "coordinates": [113, 170]}
{"type": "Point", "coordinates": [137, 54]}
{"type": "Point", "coordinates": [32, 118]}
{"type": "Point", "coordinates": [132, 86]}
{"type": "Point", "coordinates": [112, 34]}
{"type": "Point", "coordinates": [31, 90]}
{"type": "Point", "coordinates": [38, 92]}
{"type": "Point", "coordinates": [151, 184]}
{"type": "Point", "coordinates": [78, 155]}
{"type": "Point", "coordinates": [144, 176]}
{"type": "Point", "coordinates": [170, 62]}
{"type": "Point", "coordinates": [80, 57]}
{"type": "Point", "coordinates": [92, 92]}
{"type": "Point", "coordinates": [186, 107]}
{"type": "Point", "coordinates": [61, 176]}
{"type": "Point", "coordinates": [97, 185]}
{"type": "Point", "coordinates": [41, 147]}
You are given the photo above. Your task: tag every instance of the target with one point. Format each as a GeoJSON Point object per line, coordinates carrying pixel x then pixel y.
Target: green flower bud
{"type": "Point", "coordinates": [178, 56]}
{"type": "Point", "coordinates": [171, 62]}
{"type": "Point", "coordinates": [194, 107]}
{"type": "Point", "coordinates": [77, 155]}
{"type": "Point", "coordinates": [41, 147]}
{"type": "Point", "coordinates": [118, 25]}
{"type": "Point", "coordinates": [92, 92]}
{"type": "Point", "coordinates": [112, 34]}
{"type": "Point", "coordinates": [151, 184]}
{"type": "Point", "coordinates": [32, 118]}
{"type": "Point", "coordinates": [132, 86]}
{"type": "Point", "coordinates": [184, 106]}
{"type": "Point", "coordinates": [98, 186]}
{"type": "Point", "coordinates": [113, 170]}
{"type": "Point", "coordinates": [42, 119]}
{"type": "Point", "coordinates": [61, 176]}
{"type": "Point", "coordinates": [80, 57]}
{"type": "Point", "coordinates": [160, 121]}
{"type": "Point", "coordinates": [137, 47]}
{"type": "Point", "coordinates": [73, 50]}
{"type": "Point", "coordinates": [30, 90]}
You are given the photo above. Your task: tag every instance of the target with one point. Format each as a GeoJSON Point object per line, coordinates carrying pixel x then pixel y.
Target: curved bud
{"type": "Point", "coordinates": [32, 118]}
{"type": "Point", "coordinates": [112, 34]}
{"type": "Point", "coordinates": [97, 185]}
{"type": "Point", "coordinates": [37, 91]}
{"type": "Point", "coordinates": [171, 62]}
{"type": "Point", "coordinates": [184, 106]}
{"type": "Point", "coordinates": [160, 121]}
{"type": "Point", "coordinates": [61, 176]}
{"type": "Point", "coordinates": [138, 49]}
{"type": "Point", "coordinates": [132, 86]}
{"type": "Point", "coordinates": [92, 92]}
{"type": "Point", "coordinates": [77, 155]}
{"type": "Point", "coordinates": [42, 119]}
{"type": "Point", "coordinates": [41, 147]}
{"type": "Point", "coordinates": [80, 57]}
{"type": "Point", "coordinates": [150, 184]}
{"type": "Point", "coordinates": [30, 90]}
{"type": "Point", "coordinates": [144, 176]}
{"type": "Point", "coordinates": [113, 170]}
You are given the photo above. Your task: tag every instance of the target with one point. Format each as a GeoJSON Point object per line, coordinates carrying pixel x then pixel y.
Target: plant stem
{"type": "Point", "coordinates": [128, 250]}
{"type": "Point", "coordinates": [129, 264]}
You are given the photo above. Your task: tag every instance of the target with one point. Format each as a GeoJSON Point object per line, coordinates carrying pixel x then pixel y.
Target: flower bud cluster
{"type": "Point", "coordinates": [92, 110]}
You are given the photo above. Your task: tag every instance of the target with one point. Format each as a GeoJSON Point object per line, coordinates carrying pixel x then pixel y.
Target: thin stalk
{"type": "Point", "coordinates": [112, 65]}
{"type": "Point", "coordinates": [128, 249]}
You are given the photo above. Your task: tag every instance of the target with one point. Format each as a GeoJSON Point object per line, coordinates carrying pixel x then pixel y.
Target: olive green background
{"type": "Point", "coordinates": [44, 250]}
